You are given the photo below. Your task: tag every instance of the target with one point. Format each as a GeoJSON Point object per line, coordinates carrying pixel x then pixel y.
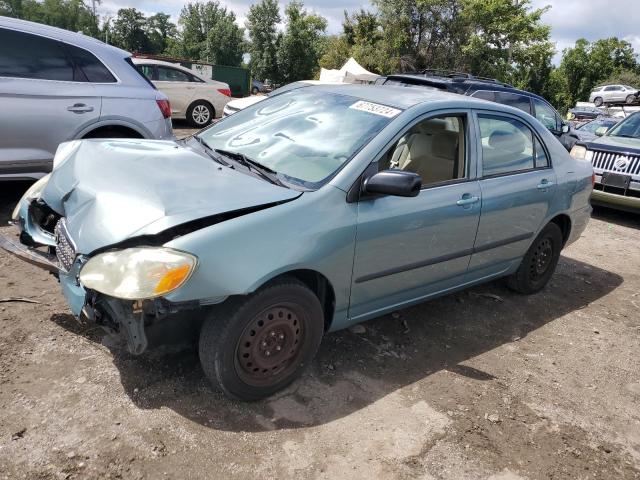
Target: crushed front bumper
{"type": "Point", "coordinates": [12, 244]}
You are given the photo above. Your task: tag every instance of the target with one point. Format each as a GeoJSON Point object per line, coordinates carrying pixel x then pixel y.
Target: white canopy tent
{"type": "Point", "coordinates": [351, 72]}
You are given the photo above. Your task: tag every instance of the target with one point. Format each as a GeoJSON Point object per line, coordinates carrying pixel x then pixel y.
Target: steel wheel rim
{"type": "Point", "coordinates": [270, 345]}
{"type": "Point", "coordinates": [200, 114]}
{"type": "Point", "coordinates": [541, 260]}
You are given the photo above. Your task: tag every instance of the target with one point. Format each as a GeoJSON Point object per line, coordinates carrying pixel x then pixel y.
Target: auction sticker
{"type": "Point", "coordinates": [375, 108]}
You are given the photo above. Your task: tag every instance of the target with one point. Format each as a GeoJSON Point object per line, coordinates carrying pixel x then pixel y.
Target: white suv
{"type": "Point", "coordinates": [193, 96]}
{"type": "Point", "coordinates": [612, 94]}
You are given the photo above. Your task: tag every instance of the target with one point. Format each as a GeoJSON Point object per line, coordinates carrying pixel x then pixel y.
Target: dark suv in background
{"type": "Point", "coordinates": [487, 89]}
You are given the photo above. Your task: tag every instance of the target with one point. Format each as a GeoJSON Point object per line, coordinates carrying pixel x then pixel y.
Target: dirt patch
{"type": "Point", "coordinates": [481, 384]}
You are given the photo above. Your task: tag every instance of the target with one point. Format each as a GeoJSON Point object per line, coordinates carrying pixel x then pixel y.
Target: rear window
{"type": "Point", "coordinates": [93, 69]}
{"type": "Point", "coordinates": [23, 55]}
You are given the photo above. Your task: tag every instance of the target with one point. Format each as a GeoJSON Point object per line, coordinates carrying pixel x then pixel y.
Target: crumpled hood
{"type": "Point", "coordinates": [112, 190]}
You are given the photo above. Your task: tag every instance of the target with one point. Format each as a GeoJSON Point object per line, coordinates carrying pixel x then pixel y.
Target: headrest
{"type": "Point", "coordinates": [434, 125]}
{"type": "Point", "coordinates": [511, 142]}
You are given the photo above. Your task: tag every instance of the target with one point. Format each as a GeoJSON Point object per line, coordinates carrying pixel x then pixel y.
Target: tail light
{"type": "Point", "coordinates": [225, 91]}
{"type": "Point", "coordinates": [165, 108]}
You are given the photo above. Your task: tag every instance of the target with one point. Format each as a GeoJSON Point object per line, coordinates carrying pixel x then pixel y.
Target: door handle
{"type": "Point", "coordinates": [467, 200]}
{"type": "Point", "coordinates": [545, 184]}
{"type": "Point", "coordinates": [80, 108]}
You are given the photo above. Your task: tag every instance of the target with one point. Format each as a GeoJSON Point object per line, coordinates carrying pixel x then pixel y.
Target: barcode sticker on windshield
{"type": "Point", "coordinates": [375, 108]}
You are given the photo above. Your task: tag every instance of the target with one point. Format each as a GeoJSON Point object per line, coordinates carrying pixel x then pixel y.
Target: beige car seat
{"type": "Point", "coordinates": [429, 150]}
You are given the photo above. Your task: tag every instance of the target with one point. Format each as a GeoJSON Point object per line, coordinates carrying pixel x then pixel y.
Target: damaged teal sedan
{"type": "Point", "coordinates": [306, 213]}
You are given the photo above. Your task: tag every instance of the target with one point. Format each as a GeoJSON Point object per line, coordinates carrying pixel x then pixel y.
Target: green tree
{"type": "Point", "coordinates": [160, 31]}
{"type": "Point", "coordinates": [624, 77]}
{"type": "Point", "coordinates": [209, 33]}
{"type": "Point", "coordinates": [301, 45]}
{"type": "Point", "coordinates": [129, 31]}
{"type": "Point", "coordinates": [261, 25]}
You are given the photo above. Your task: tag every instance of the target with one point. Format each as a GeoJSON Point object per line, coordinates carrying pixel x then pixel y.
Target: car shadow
{"type": "Point", "coordinates": [618, 217]}
{"type": "Point", "coordinates": [352, 371]}
{"type": "Point", "coordinates": [10, 194]}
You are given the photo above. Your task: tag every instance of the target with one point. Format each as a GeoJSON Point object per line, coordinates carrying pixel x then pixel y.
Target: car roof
{"type": "Point", "coordinates": [403, 97]}
{"type": "Point", "coordinates": [478, 83]}
{"type": "Point", "coordinates": [78, 39]}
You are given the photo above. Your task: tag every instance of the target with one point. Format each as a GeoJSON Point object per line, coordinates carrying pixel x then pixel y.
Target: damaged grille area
{"type": "Point", "coordinates": [65, 249]}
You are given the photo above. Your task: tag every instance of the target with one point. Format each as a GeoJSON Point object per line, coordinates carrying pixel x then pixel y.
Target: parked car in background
{"type": "Point", "coordinates": [57, 85]}
{"type": "Point", "coordinates": [193, 97]}
{"type": "Point", "coordinates": [616, 162]}
{"type": "Point", "coordinates": [260, 87]}
{"type": "Point", "coordinates": [580, 114]}
{"type": "Point", "coordinates": [486, 89]}
{"type": "Point", "coordinates": [246, 232]}
{"type": "Point", "coordinates": [588, 131]}
{"type": "Point", "coordinates": [614, 94]}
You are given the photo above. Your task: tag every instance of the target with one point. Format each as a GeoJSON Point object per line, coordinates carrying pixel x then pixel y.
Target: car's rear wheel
{"type": "Point", "coordinates": [539, 262]}
{"type": "Point", "coordinates": [200, 114]}
{"type": "Point", "coordinates": [255, 90]}
{"type": "Point", "coordinates": [598, 101]}
{"type": "Point", "coordinates": [259, 344]}
{"type": "Point", "coordinates": [630, 100]}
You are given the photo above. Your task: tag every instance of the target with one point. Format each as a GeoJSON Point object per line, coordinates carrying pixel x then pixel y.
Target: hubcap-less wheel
{"type": "Point", "coordinates": [201, 114]}
{"type": "Point", "coordinates": [269, 346]}
{"type": "Point", "coordinates": [541, 259]}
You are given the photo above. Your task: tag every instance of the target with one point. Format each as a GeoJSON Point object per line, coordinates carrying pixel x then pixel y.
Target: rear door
{"type": "Point", "coordinates": [176, 85]}
{"type": "Point", "coordinates": [518, 186]}
{"type": "Point", "coordinates": [410, 248]}
{"type": "Point", "coordinates": [44, 100]}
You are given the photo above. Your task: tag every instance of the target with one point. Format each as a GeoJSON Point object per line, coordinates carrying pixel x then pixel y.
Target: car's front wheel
{"type": "Point", "coordinates": [598, 101]}
{"type": "Point", "coordinates": [630, 100]}
{"type": "Point", "coordinates": [256, 345]}
{"type": "Point", "coordinates": [200, 114]}
{"type": "Point", "coordinates": [539, 262]}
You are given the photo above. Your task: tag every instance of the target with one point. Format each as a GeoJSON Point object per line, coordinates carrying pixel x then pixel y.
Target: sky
{"type": "Point", "coordinates": [569, 19]}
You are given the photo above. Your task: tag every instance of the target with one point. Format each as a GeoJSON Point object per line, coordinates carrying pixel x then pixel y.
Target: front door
{"type": "Point", "coordinates": [410, 248]}
{"type": "Point", "coordinates": [42, 101]}
{"type": "Point", "coordinates": [518, 185]}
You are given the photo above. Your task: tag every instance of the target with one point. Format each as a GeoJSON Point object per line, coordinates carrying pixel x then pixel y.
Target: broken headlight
{"type": "Point", "coordinates": [138, 273]}
{"type": "Point", "coordinates": [32, 193]}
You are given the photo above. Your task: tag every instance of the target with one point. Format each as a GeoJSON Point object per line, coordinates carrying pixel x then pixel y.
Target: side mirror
{"type": "Point", "coordinates": [601, 131]}
{"type": "Point", "coordinates": [394, 182]}
{"type": "Point", "coordinates": [565, 128]}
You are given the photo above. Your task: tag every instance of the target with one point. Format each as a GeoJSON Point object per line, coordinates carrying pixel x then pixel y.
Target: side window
{"type": "Point", "coordinates": [507, 145]}
{"type": "Point", "coordinates": [166, 74]}
{"type": "Point", "coordinates": [546, 115]}
{"type": "Point", "coordinates": [540, 155]}
{"type": "Point", "coordinates": [92, 68]}
{"type": "Point", "coordinates": [146, 70]}
{"type": "Point", "coordinates": [485, 95]}
{"type": "Point", "coordinates": [23, 55]}
{"type": "Point", "coordinates": [521, 102]}
{"type": "Point", "coordinates": [433, 148]}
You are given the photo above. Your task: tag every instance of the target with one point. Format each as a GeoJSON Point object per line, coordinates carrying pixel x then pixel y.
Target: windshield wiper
{"type": "Point", "coordinates": [265, 172]}
{"type": "Point", "coordinates": [209, 151]}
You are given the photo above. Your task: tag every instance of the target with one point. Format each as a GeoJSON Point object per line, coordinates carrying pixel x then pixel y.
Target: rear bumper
{"type": "Point", "coordinates": [12, 245]}
{"type": "Point", "coordinates": [621, 202]}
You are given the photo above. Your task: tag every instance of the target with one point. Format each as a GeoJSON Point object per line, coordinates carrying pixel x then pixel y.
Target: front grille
{"type": "Point", "coordinates": [65, 249]}
{"type": "Point", "coordinates": [616, 162]}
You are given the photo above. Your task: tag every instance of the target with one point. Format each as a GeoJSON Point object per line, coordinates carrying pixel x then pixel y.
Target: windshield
{"type": "Point", "coordinates": [629, 127]}
{"type": "Point", "coordinates": [591, 127]}
{"type": "Point", "coordinates": [305, 136]}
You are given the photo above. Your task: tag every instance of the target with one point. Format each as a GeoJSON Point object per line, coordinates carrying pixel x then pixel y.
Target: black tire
{"type": "Point", "coordinates": [258, 344]}
{"type": "Point", "coordinates": [630, 100]}
{"type": "Point", "coordinates": [539, 262]}
{"type": "Point", "coordinates": [598, 101]}
{"type": "Point", "coordinates": [255, 90]}
{"type": "Point", "coordinates": [200, 114]}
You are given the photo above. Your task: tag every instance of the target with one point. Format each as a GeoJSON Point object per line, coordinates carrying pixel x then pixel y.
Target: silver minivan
{"type": "Point", "coordinates": [57, 85]}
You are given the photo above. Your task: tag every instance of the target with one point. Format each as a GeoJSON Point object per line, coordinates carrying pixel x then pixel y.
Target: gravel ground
{"type": "Point", "coordinates": [484, 384]}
